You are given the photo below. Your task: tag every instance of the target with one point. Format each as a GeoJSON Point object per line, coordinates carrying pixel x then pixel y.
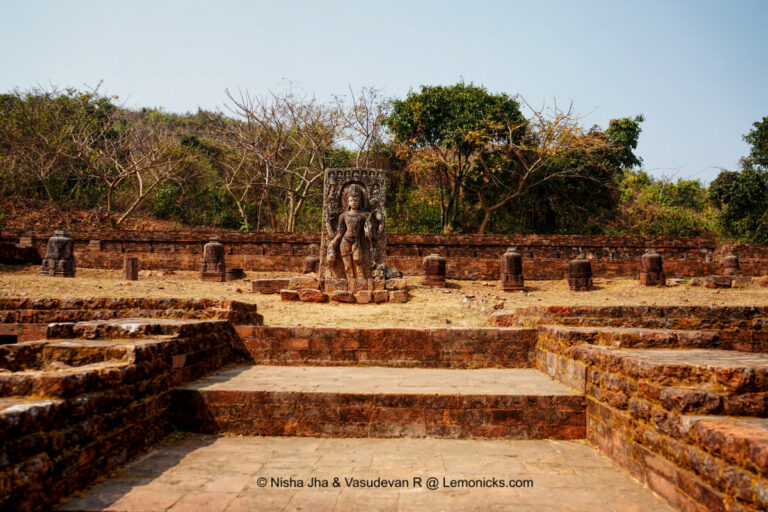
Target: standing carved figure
{"type": "Point", "coordinates": [353, 225]}
{"type": "Point", "coordinates": [353, 242]}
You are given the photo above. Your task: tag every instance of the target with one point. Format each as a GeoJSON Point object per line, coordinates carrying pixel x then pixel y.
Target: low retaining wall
{"type": "Point", "coordinates": [428, 348]}
{"type": "Point", "coordinates": [469, 256]}
{"type": "Point", "coordinates": [27, 319]}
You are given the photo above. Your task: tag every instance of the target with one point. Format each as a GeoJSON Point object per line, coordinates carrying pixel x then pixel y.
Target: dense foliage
{"type": "Point", "coordinates": [459, 159]}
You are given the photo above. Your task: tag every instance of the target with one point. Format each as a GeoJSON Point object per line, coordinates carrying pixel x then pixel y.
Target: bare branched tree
{"type": "Point", "coordinates": [280, 143]}
{"type": "Point", "coordinates": [363, 115]}
{"type": "Point", "coordinates": [121, 151]}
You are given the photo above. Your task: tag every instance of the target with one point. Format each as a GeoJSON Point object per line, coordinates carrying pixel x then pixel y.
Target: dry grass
{"type": "Point", "coordinates": [463, 304]}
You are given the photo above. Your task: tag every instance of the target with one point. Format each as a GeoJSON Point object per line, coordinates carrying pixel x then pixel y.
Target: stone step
{"type": "Point", "coordinates": [742, 328]}
{"type": "Point", "coordinates": [678, 381]}
{"type": "Point", "coordinates": [628, 337]}
{"type": "Point", "coordinates": [132, 328]}
{"type": "Point", "coordinates": [397, 347]}
{"type": "Point", "coordinates": [381, 402]}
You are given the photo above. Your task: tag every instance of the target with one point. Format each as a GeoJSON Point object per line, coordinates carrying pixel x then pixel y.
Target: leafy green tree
{"type": "Point", "coordinates": [442, 130]}
{"type": "Point", "coordinates": [625, 133]}
{"type": "Point", "coordinates": [758, 138]}
{"type": "Point", "coordinates": [742, 198]}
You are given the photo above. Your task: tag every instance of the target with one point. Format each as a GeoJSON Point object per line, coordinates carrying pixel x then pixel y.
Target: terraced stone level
{"type": "Point", "coordinates": [222, 474]}
{"type": "Point", "coordinates": [381, 402]}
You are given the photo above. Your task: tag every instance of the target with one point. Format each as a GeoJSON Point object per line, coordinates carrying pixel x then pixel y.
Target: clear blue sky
{"type": "Point", "coordinates": [697, 70]}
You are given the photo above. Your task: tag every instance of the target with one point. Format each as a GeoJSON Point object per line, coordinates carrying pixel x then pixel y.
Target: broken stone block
{"type": "Point", "coordinates": [312, 295]}
{"type": "Point", "coordinates": [398, 296]}
{"type": "Point", "coordinates": [380, 296]}
{"type": "Point", "coordinates": [395, 284]}
{"type": "Point", "coordinates": [269, 285]}
{"type": "Point", "coordinates": [289, 295]}
{"type": "Point", "coordinates": [303, 282]}
{"type": "Point", "coordinates": [363, 296]}
{"type": "Point", "coordinates": [343, 296]}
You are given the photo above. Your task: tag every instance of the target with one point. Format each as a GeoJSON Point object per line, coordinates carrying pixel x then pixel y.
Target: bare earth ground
{"type": "Point", "coordinates": [462, 304]}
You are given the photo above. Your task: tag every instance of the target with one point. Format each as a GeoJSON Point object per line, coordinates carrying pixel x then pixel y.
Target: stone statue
{"type": "Point", "coordinates": [353, 242]}
{"type": "Point", "coordinates": [59, 260]}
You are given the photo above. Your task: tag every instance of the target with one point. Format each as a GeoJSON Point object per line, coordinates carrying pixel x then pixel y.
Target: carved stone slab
{"type": "Point", "coordinates": [353, 240]}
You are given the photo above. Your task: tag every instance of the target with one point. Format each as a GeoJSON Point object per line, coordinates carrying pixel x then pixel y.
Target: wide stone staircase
{"type": "Point", "coordinates": [676, 396]}
{"type": "Point", "coordinates": [445, 383]}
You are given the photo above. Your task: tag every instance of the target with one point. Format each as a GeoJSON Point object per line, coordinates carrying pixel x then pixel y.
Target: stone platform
{"type": "Point", "coordinates": [381, 402]}
{"type": "Point", "coordinates": [222, 474]}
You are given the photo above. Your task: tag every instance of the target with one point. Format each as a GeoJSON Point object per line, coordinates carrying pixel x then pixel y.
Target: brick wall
{"type": "Point", "coordinates": [105, 402]}
{"type": "Point", "coordinates": [469, 256]}
{"type": "Point", "coordinates": [431, 348]}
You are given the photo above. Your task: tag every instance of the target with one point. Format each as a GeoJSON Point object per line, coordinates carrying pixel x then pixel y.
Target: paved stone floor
{"type": "Point", "coordinates": [215, 474]}
{"type": "Point", "coordinates": [329, 379]}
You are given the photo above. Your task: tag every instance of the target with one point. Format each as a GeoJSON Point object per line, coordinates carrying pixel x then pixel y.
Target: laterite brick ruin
{"type": "Point", "coordinates": [674, 395]}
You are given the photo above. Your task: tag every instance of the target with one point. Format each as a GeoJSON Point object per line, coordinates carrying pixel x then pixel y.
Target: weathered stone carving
{"type": "Point", "coordinates": [653, 271]}
{"type": "Point", "coordinates": [59, 259]}
{"type": "Point", "coordinates": [353, 242]}
{"type": "Point", "coordinates": [434, 271]}
{"type": "Point", "coordinates": [214, 267]}
{"type": "Point", "coordinates": [731, 265]}
{"type": "Point", "coordinates": [310, 265]}
{"type": "Point", "coordinates": [580, 274]}
{"type": "Point", "coordinates": [511, 271]}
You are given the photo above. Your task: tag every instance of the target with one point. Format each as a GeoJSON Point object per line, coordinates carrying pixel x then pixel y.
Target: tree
{"type": "Point", "coordinates": [122, 150]}
{"type": "Point", "coordinates": [517, 158]}
{"type": "Point", "coordinates": [35, 138]}
{"type": "Point", "coordinates": [742, 198]}
{"type": "Point", "coordinates": [625, 133]}
{"type": "Point", "coordinates": [758, 138]}
{"type": "Point", "coordinates": [282, 141]}
{"type": "Point", "coordinates": [442, 130]}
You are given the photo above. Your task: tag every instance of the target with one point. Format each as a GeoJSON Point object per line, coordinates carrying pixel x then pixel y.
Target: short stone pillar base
{"type": "Point", "coordinates": [434, 271]}
{"type": "Point", "coordinates": [218, 277]}
{"type": "Point", "coordinates": [652, 279]}
{"type": "Point", "coordinates": [233, 274]}
{"type": "Point", "coordinates": [131, 268]}
{"type": "Point", "coordinates": [512, 283]}
{"type": "Point", "coordinates": [580, 284]}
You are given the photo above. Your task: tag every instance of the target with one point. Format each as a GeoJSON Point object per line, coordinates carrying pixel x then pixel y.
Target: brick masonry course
{"type": "Point", "coordinates": [403, 347]}
{"type": "Point", "coordinates": [662, 402]}
{"type": "Point", "coordinates": [468, 256]}
{"type": "Point", "coordinates": [73, 409]}
{"type": "Point", "coordinates": [381, 402]}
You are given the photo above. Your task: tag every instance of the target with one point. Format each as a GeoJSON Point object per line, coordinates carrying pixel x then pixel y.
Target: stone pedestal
{"type": "Point", "coordinates": [59, 260]}
{"type": "Point", "coordinates": [580, 274]}
{"type": "Point", "coordinates": [233, 274]}
{"type": "Point", "coordinates": [512, 271]}
{"type": "Point", "coordinates": [434, 271]}
{"type": "Point", "coordinates": [214, 267]}
{"type": "Point", "coordinates": [731, 265]}
{"type": "Point", "coordinates": [310, 265]}
{"type": "Point", "coordinates": [653, 270]}
{"type": "Point", "coordinates": [131, 268]}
